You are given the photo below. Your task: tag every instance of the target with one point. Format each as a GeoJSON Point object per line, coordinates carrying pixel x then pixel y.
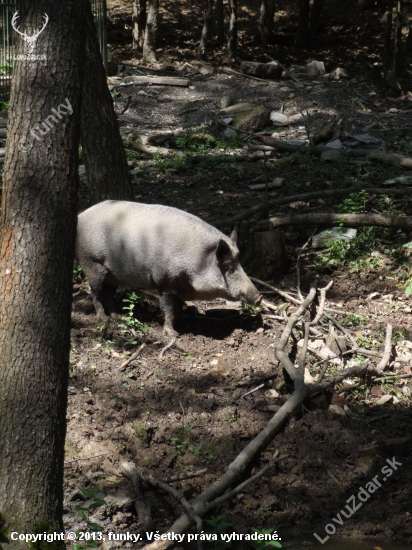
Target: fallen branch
{"type": "Point", "coordinates": [128, 469]}
{"type": "Point", "coordinates": [182, 477]}
{"type": "Point", "coordinates": [237, 73]}
{"type": "Point", "coordinates": [349, 220]}
{"type": "Point", "coordinates": [132, 357]}
{"type": "Point", "coordinates": [392, 158]}
{"type": "Point", "coordinates": [330, 193]}
{"type": "Point", "coordinates": [85, 458]}
{"type": "Point", "coordinates": [387, 351]}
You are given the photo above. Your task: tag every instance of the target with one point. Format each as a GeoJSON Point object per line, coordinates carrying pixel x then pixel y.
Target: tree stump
{"type": "Point", "coordinates": [270, 251]}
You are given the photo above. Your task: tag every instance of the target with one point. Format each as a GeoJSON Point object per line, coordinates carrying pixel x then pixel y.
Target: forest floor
{"type": "Point", "coordinates": [187, 411]}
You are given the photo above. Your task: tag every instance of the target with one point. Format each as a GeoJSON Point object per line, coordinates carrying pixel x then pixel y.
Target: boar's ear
{"type": "Point", "coordinates": [233, 236]}
{"type": "Point", "coordinates": [223, 252]}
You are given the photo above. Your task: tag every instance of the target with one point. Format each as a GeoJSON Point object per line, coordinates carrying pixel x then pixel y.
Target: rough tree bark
{"type": "Point", "coordinates": [207, 21]}
{"type": "Point", "coordinates": [139, 14]}
{"type": "Point", "coordinates": [387, 42]}
{"type": "Point", "coordinates": [309, 15]}
{"type": "Point", "coordinates": [397, 58]}
{"type": "Point", "coordinates": [37, 234]}
{"type": "Point", "coordinates": [220, 19]}
{"type": "Point", "coordinates": [266, 21]}
{"type": "Point", "coordinates": [232, 41]}
{"type": "Point", "coordinates": [150, 38]}
{"type": "Point", "coordinates": [104, 157]}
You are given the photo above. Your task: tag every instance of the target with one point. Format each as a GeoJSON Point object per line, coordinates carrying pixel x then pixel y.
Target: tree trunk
{"type": "Point", "coordinates": [232, 42]}
{"type": "Point", "coordinates": [106, 165]}
{"type": "Point", "coordinates": [397, 58]}
{"type": "Point", "coordinates": [220, 21]}
{"type": "Point", "coordinates": [206, 27]}
{"type": "Point", "coordinates": [303, 24]}
{"type": "Point", "coordinates": [266, 21]}
{"type": "Point", "coordinates": [269, 252]}
{"type": "Point", "coordinates": [387, 42]}
{"type": "Point", "coordinates": [314, 18]}
{"type": "Point", "coordinates": [139, 23]}
{"type": "Point", "coordinates": [37, 234]}
{"type": "Point", "coordinates": [150, 38]}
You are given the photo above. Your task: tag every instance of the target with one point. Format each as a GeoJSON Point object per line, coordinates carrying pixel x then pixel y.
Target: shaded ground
{"type": "Point", "coordinates": [187, 411]}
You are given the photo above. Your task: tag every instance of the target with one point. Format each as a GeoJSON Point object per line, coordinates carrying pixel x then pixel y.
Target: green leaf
{"type": "Point", "coordinates": [97, 503]}
{"type": "Point", "coordinates": [94, 526]}
{"type": "Point", "coordinates": [80, 513]}
{"type": "Point", "coordinates": [93, 544]}
{"type": "Point", "coordinates": [86, 492]}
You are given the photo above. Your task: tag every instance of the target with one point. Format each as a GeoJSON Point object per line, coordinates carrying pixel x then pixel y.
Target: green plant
{"type": "Point", "coordinates": [308, 122]}
{"type": "Point", "coordinates": [91, 537]}
{"type": "Point", "coordinates": [179, 446]}
{"type": "Point", "coordinates": [354, 320]}
{"type": "Point", "coordinates": [77, 273]}
{"type": "Point", "coordinates": [264, 544]}
{"type": "Point", "coordinates": [261, 513]}
{"type": "Point", "coordinates": [354, 203]}
{"type": "Point", "coordinates": [129, 322]}
{"type": "Point", "coordinates": [218, 527]}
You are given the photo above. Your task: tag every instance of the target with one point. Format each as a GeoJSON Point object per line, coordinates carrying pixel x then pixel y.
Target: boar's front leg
{"type": "Point", "coordinates": [172, 307]}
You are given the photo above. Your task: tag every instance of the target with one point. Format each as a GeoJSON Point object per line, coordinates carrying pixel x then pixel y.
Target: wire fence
{"type": "Point", "coordinates": [7, 38]}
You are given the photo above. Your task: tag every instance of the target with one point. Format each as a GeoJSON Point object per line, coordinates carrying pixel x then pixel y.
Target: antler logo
{"type": "Point", "coordinates": [29, 39]}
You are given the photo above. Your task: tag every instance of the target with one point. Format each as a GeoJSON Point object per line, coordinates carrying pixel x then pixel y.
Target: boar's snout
{"type": "Point", "coordinates": [252, 296]}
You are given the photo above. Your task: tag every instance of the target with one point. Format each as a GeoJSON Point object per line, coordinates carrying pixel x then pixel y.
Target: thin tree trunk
{"type": "Point", "coordinates": [220, 21]}
{"type": "Point", "coordinates": [150, 38]}
{"type": "Point", "coordinates": [266, 22]}
{"type": "Point", "coordinates": [206, 27]}
{"type": "Point", "coordinates": [314, 18]}
{"type": "Point", "coordinates": [397, 58]}
{"type": "Point", "coordinates": [106, 164]}
{"type": "Point", "coordinates": [388, 34]}
{"type": "Point", "coordinates": [232, 42]}
{"type": "Point", "coordinates": [139, 23]}
{"type": "Point", "coordinates": [303, 24]}
{"type": "Point", "coordinates": [37, 234]}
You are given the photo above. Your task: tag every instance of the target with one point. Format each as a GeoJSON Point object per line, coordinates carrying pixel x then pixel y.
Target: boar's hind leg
{"type": "Point", "coordinates": [172, 307]}
{"type": "Point", "coordinates": [102, 294]}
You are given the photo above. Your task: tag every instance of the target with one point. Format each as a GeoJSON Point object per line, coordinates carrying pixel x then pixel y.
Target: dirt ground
{"type": "Point", "coordinates": [189, 411]}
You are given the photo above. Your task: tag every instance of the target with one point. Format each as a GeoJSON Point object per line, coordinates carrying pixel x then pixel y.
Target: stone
{"type": "Point", "coordinates": [226, 101]}
{"type": "Point", "coordinates": [261, 70]}
{"type": "Point", "coordinates": [366, 138]}
{"type": "Point", "coordinates": [229, 133]}
{"type": "Point", "coordinates": [248, 116]}
{"type": "Point", "coordinates": [402, 180]}
{"type": "Point", "coordinates": [315, 69]}
{"type": "Point", "coordinates": [207, 70]}
{"type": "Point", "coordinates": [335, 144]}
{"type": "Point", "coordinates": [287, 90]}
{"type": "Point", "coordinates": [334, 234]}
{"type": "Point", "coordinates": [279, 118]}
{"type": "Point", "coordinates": [339, 73]}
{"type": "Point", "coordinates": [168, 66]}
{"type": "Point", "coordinates": [331, 156]}
{"type": "Point", "coordinates": [337, 410]}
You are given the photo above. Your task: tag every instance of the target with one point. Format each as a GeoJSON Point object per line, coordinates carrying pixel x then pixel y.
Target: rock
{"type": "Point", "coordinates": [315, 69]}
{"type": "Point", "coordinates": [333, 234]}
{"type": "Point", "coordinates": [384, 400]}
{"type": "Point", "coordinates": [279, 118]}
{"type": "Point", "coordinates": [112, 68]}
{"type": "Point", "coordinates": [229, 133]}
{"type": "Point", "coordinates": [331, 156]}
{"type": "Point", "coordinates": [227, 120]}
{"type": "Point", "coordinates": [207, 70]}
{"type": "Point", "coordinates": [168, 66]}
{"type": "Point", "coordinates": [335, 144]}
{"type": "Point", "coordinates": [273, 408]}
{"type": "Point", "coordinates": [337, 410]}
{"type": "Point", "coordinates": [403, 180]}
{"type": "Point", "coordinates": [286, 89]}
{"type": "Point", "coordinates": [119, 500]}
{"type": "Point", "coordinates": [261, 70]}
{"type": "Point", "coordinates": [277, 182]}
{"type": "Point", "coordinates": [327, 132]}
{"type": "Point", "coordinates": [339, 73]}
{"type": "Point", "coordinates": [337, 344]}
{"type": "Point", "coordinates": [272, 394]}
{"type": "Point", "coordinates": [225, 102]}
{"type": "Point", "coordinates": [248, 116]}
{"type": "Point", "coordinates": [366, 138]}
{"type": "Point", "coordinates": [308, 378]}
